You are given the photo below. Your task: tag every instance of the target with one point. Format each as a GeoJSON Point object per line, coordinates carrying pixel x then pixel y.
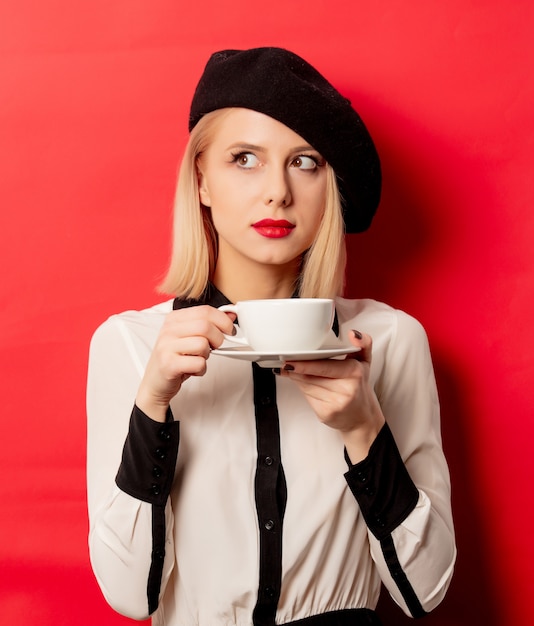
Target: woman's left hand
{"type": "Point", "coordinates": [340, 394]}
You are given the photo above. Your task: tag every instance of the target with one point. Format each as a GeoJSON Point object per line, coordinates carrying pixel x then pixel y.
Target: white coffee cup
{"type": "Point", "coordinates": [283, 325]}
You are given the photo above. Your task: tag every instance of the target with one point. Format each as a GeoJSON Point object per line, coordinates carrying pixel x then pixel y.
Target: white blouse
{"type": "Point", "coordinates": [248, 508]}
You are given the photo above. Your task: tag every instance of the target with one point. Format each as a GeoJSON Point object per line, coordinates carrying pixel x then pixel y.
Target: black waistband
{"type": "Point", "coordinates": [347, 617]}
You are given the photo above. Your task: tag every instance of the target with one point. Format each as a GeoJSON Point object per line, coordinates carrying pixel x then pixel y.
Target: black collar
{"type": "Point", "coordinates": [211, 296]}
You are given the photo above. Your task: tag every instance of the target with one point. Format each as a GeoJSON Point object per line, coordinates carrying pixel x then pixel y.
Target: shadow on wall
{"type": "Point", "coordinates": [386, 264]}
{"type": "Point", "coordinates": [471, 598]}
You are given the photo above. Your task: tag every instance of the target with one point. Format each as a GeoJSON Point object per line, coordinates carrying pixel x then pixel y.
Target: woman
{"type": "Point", "coordinates": [233, 494]}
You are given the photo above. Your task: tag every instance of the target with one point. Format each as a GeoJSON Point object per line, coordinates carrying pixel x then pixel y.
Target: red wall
{"type": "Point", "coordinates": [93, 107]}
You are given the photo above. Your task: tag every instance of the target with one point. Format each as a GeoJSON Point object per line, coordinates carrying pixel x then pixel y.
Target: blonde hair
{"type": "Point", "coordinates": [194, 251]}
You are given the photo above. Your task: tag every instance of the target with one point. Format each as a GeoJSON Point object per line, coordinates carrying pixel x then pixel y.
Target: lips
{"type": "Point", "coordinates": [273, 229]}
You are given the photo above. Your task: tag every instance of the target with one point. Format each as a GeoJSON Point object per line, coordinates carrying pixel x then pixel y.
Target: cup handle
{"type": "Point", "coordinates": [231, 308]}
{"type": "Point", "coordinates": [228, 308]}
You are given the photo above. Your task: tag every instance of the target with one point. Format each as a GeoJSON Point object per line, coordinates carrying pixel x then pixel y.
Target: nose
{"type": "Point", "coordinates": [277, 190]}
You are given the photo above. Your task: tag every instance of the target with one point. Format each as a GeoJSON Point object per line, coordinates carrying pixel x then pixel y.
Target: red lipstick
{"type": "Point", "coordinates": [273, 229]}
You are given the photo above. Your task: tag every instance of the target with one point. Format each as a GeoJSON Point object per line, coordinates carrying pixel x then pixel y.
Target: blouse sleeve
{"type": "Point", "coordinates": [403, 486]}
{"type": "Point", "coordinates": [130, 517]}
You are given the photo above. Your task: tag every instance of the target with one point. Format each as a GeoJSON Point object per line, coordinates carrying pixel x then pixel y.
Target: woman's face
{"type": "Point", "coordinates": [266, 187]}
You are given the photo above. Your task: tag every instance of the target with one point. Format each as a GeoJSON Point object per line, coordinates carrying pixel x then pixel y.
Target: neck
{"type": "Point", "coordinates": [257, 282]}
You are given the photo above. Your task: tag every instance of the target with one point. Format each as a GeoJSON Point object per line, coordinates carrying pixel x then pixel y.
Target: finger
{"type": "Point", "coordinates": [170, 358]}
{"type": "Point", "coordinates": [224, 321]}
{"type": "Point", "coordinates": [205, 327]}
{"type": "Point", "coordinates": [324, 368]}
{"type": "Point", "coordinates": [363, 341]}
{"type": "Point", "coordinates": [324, 389]}
{"type": "Point", "coordinates": [337, 368]}
{"type": "Point", "coordinates": [192, 346]}
{"type": "Point", "coordinates": [190, 365]}
{"type": "Point", "coordinates": [221, 320]}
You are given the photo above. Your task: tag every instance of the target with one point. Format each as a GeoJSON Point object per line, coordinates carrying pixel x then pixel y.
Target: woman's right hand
{"type": "Point", "coordinates": [181, 350]}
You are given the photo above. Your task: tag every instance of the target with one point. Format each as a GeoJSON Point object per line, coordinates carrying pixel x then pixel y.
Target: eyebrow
{"type": "Point", "coordinates": [251, 146]}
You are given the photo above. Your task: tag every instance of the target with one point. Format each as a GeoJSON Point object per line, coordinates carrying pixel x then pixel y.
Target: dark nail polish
{"type": "Point", "coordinates": [234, 331]}
{"type": "Point", "coordinates": [357, 334]}
{"type": "Point", "coordinates": [288, 367]}
{"type": "Point", "coordinates": [276, 370]}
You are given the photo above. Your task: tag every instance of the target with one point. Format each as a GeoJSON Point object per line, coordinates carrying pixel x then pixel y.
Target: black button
{"type": "Point", "coordinates": [157, 471]}
{"type": "Point", "coordinates": [159, 554]}
{"type": "Point", "coordinates": [370, 492]}
{"type": "Point", "coordinates": [270, 592]}
{"type": "Point", "coordinates": [265, 401]}
{"type": "Point", "coordinates": [164, 434]}
{"type": "Point", "coordinates": [269, 524]}
{"type": "Point", "coordinates": [155, 490]}
{"type": "Point", "coordinates": [362, 477]}
{"type": "Point", "coordinates": [269, 460]}
{"type": "Point", "coordinates": [380, 522]}
{"type": "Point", "coordinates": [161, 453]}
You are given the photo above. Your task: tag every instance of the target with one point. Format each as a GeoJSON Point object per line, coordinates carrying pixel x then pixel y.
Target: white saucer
{"type": "Point", "coordinates": [275, 359]}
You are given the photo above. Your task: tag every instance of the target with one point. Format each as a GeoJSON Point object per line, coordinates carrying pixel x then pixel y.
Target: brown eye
{"type": "Point", "coordinates": [304, 162]}
{"type": "Point", "coordinates": [246, 160]}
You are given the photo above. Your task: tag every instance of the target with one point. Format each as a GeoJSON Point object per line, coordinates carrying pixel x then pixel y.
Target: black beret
{"type": "Point", "coordinates": [284, 86]}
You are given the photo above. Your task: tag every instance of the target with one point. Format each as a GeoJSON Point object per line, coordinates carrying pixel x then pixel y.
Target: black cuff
{"type": "Point", "coordinates": [149, 458]}
{"type": "Point", "coordinates": [382, 486]}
